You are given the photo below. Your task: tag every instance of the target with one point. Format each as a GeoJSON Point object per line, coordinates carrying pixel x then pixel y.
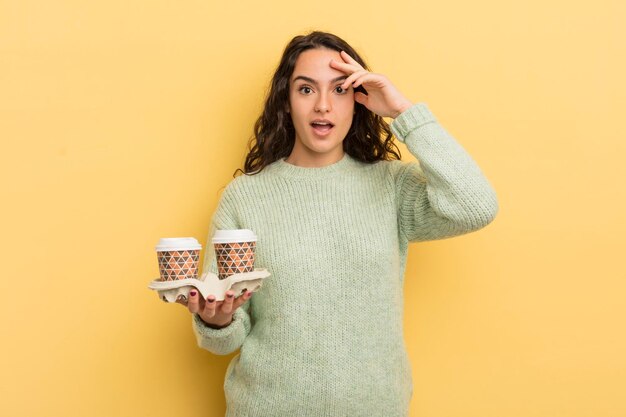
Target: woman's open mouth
{"type": "Point", "coordinates": [322, 128]}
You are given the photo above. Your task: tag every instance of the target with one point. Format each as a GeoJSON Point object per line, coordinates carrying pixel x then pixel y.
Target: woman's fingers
{"type": "Point", "coordinates": [352, 78]}
{"type": "Point", "coordinates": [361, 98]}
{"type": "Point", "coordinates": [345, 66]}
{"type": "Point", "coordinates": [209, 306]}
{"type": "Point", "coordinates": [373, 80]}
{"type": "Point", "coordinates": [349, 65]}
{"type": "Point", "coordinates": [227, 306]}
{"type": "Point", "coordinates": [349, 59]}
{"type": "Point", "coordinates": [242, 299]}
{"type": "Point", "coordinates": [194, 302]}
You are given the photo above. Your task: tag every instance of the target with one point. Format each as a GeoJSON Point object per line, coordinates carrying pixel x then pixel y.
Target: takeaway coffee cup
{"type": "Point", "coordinates": [234, 250]}
{"type": "Point", "coordinates": [178, 258]}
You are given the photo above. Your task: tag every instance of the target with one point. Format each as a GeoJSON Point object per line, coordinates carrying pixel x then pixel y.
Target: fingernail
{"type": "Point", "coordinates": [229, 295]}
{"type": "Point", "coordinates": [192, 293]}
{"type": "Point", "coordinates": [210, 299]}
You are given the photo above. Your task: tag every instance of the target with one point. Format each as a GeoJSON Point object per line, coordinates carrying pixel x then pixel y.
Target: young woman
{"type": "Point", "coordinates": [334, 209]}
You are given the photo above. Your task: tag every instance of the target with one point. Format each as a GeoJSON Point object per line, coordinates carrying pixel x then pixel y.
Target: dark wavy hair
{"type": "Point", "coordinates": [369, 138]}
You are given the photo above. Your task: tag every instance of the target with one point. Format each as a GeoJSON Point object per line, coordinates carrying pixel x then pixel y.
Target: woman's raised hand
{"type": "Point", "coordinates": [382, 97]}
{"type": "Point", "coordinates": [216, 314]}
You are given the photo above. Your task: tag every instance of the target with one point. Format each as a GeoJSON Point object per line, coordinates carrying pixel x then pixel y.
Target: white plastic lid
{"type": "Point", "coordinates": [177, 243]}
{"type": "Point", "coordinates": [234, 235]}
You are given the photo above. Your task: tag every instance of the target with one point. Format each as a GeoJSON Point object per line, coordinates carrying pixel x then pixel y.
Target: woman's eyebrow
{"type": "Point", "coordinates": [312, 81]}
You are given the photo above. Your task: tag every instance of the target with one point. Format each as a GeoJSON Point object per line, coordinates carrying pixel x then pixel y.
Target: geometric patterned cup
{"type": "Point", "coordinates": [178, 258]}
{"type": "Point", "coordinates": [234, 250]}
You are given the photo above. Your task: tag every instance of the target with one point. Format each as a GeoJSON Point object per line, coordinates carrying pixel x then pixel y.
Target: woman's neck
{"type": "Point", "coordinates": [313, 160]}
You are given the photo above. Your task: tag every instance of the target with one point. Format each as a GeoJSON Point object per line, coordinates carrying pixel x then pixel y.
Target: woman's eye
{"type": "Point", "coordinates": [340, 90]}
{"type": "Point", "coordinates": [305, 89]}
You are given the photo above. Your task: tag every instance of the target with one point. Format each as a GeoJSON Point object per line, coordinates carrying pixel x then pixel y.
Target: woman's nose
{"type": "Point", "coordinates": [323, 103]}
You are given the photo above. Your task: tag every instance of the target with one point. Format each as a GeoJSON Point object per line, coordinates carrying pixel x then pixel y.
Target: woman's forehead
{"type": "Point", "coordinates": [314, 65]}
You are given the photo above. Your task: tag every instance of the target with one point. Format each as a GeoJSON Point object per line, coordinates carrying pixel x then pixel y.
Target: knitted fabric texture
{"type": "Point", "coordinates": [324, 335]}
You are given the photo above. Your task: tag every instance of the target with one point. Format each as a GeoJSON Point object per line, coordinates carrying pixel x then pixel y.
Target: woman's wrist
{"type": "Point", "coordinates": [216, 326]}
{"type": "Point", "coordinates": [401, 109]}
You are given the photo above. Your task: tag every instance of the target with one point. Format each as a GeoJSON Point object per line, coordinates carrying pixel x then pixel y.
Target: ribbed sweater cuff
{"type": "Point", "coordinates": [412, 118]}
{"type": "Point", "coordinates": [225, 340]}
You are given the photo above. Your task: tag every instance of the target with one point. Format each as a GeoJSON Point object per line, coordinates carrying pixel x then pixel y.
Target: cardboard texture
{"type": "Point", "coordinates": [209, 283]}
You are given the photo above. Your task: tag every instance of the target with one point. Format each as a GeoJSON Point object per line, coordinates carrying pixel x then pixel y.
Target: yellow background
{"type": "Point", "coordinates": [121, 120]}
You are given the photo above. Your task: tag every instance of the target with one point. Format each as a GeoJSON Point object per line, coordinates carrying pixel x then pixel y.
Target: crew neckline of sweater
{"type": "Point", "coordinates": [345, 164]}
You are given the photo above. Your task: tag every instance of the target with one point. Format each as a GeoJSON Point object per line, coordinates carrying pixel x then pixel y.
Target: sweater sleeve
{"type": "Point", "coordinates": [445, 194]}
{"type": "Point", "coordinates": [230, 338]}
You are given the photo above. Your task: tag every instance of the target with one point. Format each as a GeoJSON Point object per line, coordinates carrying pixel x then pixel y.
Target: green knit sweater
{"type": "Point", "coordinates": [324, 335]}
